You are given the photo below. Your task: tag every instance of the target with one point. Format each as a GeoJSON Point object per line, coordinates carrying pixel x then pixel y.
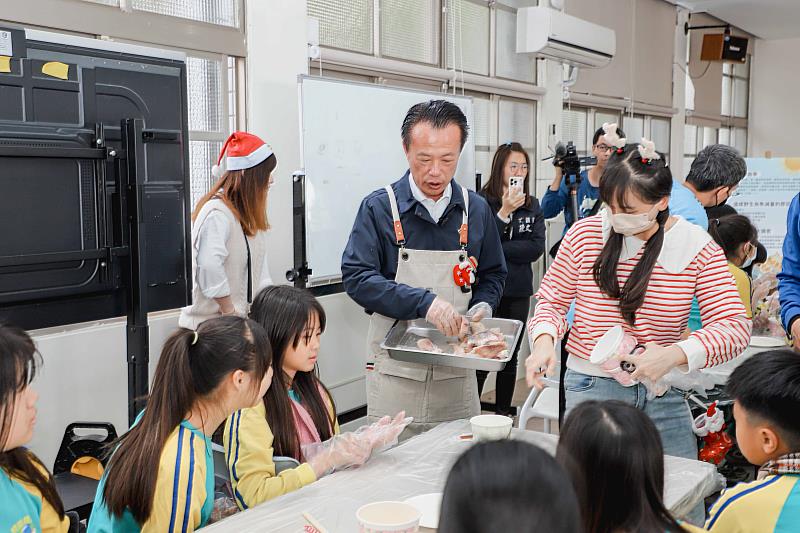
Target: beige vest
{"type": "Point", "coordinates": [203, 308]}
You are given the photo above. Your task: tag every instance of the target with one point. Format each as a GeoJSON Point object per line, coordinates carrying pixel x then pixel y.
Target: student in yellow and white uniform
{"type": "Point", "coordinates": [297, 417]}
{"type": "Point", "coordinates": [29, 502]}
{"type": "Point", "coordinates": [161, 476]}
{"type": "Point", "coordinates": [738, 238]}
{"type": "Point", "coordinates": [766, 393]}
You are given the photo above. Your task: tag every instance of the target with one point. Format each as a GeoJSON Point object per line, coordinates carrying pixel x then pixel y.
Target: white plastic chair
{"type": "Point", "coordinates": [541, 403]}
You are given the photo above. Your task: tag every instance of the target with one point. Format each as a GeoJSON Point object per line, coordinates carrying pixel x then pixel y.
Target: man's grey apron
{"type": "Point", "coordinates": [431, 394]}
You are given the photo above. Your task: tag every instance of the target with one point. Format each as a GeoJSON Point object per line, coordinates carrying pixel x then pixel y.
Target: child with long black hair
{"type": "Point", "coordinates": [508, 485]}
{"type": "Point", "coordinates": [161, 475]}
{"type": "Point", "coordinates": [297, 417]}
{"type": "Point", "coordinates": [614, 457]}
{"type": "Point", "coordinates": [738, 238]}
{"type": "Point", "coordinates": [28, 497]}
{"type": "Point", "coordinates": [637, 267]}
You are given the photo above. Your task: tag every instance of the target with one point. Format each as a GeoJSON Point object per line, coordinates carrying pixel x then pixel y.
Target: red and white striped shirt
{"type": "Point", "coordinates": [664, 314]}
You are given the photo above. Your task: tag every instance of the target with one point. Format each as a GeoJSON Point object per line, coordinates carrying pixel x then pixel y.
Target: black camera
{"type": "Point", "coordinates": [566, 157]}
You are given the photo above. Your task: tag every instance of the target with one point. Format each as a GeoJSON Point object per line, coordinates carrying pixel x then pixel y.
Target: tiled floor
{"type": "Point", "coordinates": [521, 392]}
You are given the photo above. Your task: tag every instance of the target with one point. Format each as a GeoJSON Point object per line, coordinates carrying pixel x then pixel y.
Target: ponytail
{"type": "Point", "coordinates": [191, 366]}
{"type": "Point", "coordinates": [731, 231]}
{"type": "Point", "coordinates": [651, 181]}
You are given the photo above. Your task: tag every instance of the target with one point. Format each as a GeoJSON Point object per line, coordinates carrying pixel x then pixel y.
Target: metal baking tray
{"type": "Point", "coordinates": [401, 343]}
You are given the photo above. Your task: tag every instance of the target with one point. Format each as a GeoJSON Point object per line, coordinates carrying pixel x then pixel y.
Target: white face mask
{"type": "Point", "coordinates": [750, 258]}
{"type": "Point", "coordinates": [628, 224]}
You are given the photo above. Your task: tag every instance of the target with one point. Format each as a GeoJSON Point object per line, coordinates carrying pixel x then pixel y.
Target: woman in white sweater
{"type": "Point", "coordinates": [229, 225]}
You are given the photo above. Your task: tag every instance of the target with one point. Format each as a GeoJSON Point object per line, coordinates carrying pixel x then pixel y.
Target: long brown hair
{"type": "Point", "coordinates": [187, 371]}
{"type": "Point", "coordinates": [245, 193]}
{"type": "Point", "coordinates": [651, 182]}
{"type": "Point", "coordinates": [285, 313]}
{"type": "Point", "coordinates": [494, 187]}
{"type": "Point", "coordinates": [18, 362]}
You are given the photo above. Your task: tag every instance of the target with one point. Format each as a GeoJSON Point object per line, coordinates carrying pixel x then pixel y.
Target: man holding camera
{"type": "Point", "coordinates": [557, 197]}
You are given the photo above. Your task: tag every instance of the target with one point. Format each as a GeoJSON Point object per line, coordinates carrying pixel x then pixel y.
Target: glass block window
{"type": "Point", "coordinates": [709, 138]}
{"type": "Point", "coordinates": [516, 123]}
{"type": "Point", "coordinates": [690, 141]}
{"type": "Point", "coordinates": [481, 118]}
{"type": "Point", "coordinates": [660, 132]}
{"type": "Point", "coordinates": [211, 90]}
{"type": "Point", "coordinates": [739, 136]}
{"type": "Point", "coordinates": [725, 136]}
{"type": "Point", "coordinates": [202, 155]}
{"type": "Point", "coordinates": [346, 25]}
{"type": "Point", "coordinates": [483, 164]}
{"type": "Point", "coordinates": [205, 93]}
{"type": "Point", "coordinates": [573, 128]}
{"type": "Point", "coordinates": [633, 126]}
{"type": "Point", "coordinates": [409, 30]}
{"type": "Point", "coordinates": [735, 89]}
{"type": "Point", "coordinates": [509, 64]}
{"type": "Point", "coordinates": [467, 36]}
{"type": "Point", "coordinates": [114, 3]}
{"type": "Point", "coordinates": [220, 12]}
{"type": "Point", "coordinates": [603, 117]}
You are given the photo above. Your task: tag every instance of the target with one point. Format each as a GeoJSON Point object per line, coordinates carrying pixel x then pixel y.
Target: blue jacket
{"type": "Point", "coordinates": [789, 278]}
{"type": "Point", "coordinates": [554, 202]}
{"type": "Point", "coordinates": [683, 202]}
{"type": "Point", "coordinates": [369, 262]}
{"type": "Point", "coordinates": [523, 243]}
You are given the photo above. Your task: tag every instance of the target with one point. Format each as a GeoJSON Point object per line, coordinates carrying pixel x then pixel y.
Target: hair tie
{"type": "Point", "coordinates": [612, 138]}
{"type": "Point", "coordinates": [196, 336]}
{"type": "Point", "coordinates": [716, 222]}
{"type": "Point", "coordinates": [647, 151]}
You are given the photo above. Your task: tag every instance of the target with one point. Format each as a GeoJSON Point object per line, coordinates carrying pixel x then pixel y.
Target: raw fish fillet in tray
{"type": "Point", "coordinates": [486, 345]}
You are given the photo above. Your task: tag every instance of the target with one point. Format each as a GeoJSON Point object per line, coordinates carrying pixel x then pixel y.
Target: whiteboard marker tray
{"type": "Point", "coordinates": [401, 343]}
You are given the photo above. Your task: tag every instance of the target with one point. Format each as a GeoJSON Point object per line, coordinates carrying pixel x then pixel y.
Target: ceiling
{"type": "Point", "coordinates": [767, 19]}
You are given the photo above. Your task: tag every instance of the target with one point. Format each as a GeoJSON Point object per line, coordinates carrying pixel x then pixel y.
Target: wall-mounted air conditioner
{"type": "Point", "coordinates": [551, 34]}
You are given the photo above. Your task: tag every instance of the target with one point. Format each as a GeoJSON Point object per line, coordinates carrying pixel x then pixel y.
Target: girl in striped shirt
{"type": "Point", "coordinates": [161, 476]}
{"type": "Point", "coordinates": [636, 266]}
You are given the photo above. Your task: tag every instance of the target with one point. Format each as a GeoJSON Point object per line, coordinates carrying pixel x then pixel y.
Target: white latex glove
{"type": "Point", "coordinates": [444, 316]}
{"type": "Point", "coordinates": [337, 453]}
{"type": "Point", "coordinates": [383, 434]}
{"type": "Point", "coordinates": [479, 311]}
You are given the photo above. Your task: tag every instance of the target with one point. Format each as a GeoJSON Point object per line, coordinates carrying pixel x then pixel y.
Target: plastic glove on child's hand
{"type": "Point", "coordinates": [384, 433]}
{"type": "Point", "coordinates": [337, 453]}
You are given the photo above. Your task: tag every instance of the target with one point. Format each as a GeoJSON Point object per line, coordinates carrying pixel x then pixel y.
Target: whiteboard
{"type": "Point", "coordinates": [352, 146]}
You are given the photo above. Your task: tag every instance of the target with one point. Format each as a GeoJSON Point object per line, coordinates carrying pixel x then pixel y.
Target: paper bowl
{"type": "Point", "coordinates": [388, 517]}
{"type": "Point", "coordinates": [490, 427]}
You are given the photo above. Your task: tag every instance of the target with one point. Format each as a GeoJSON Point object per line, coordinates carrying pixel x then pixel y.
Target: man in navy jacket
{"type": "Point", "coordinates": [404, 269]}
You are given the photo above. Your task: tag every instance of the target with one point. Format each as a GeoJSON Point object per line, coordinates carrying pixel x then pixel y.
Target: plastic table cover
{"type": "Point", "coordinates": [419, 466]}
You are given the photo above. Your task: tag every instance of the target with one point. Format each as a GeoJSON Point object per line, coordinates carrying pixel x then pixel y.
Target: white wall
{"type": "Point", "coordinates": [84, 377]}
{"type": "Point", "coordinates": [275, 58]}
{"type": "Point", "coordinates": [773, 126]}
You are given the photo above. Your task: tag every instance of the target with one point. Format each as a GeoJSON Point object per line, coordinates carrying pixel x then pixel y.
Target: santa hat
{"type": "Point", "coordinates": [244, 150]}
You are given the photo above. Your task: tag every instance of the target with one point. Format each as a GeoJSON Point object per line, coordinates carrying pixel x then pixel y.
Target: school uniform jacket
{"type": "Point", "coordinates": [24, 510]}
{"type": "Point", "coordinates": [248, 450]}
{"type": "Point", "coordinates": [184, 495]}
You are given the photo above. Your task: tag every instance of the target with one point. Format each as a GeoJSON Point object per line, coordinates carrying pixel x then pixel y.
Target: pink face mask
{"type": "Point", "coordinates": [632, 224]}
